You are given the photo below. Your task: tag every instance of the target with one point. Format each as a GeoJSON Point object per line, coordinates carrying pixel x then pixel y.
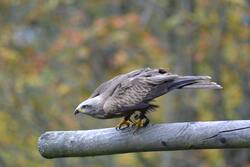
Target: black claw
{"type": "Point", "coordinates": [123, 127]}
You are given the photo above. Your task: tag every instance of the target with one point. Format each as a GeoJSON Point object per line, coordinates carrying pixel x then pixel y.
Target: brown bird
{"type": "Point", "coordinates": [127, 93]}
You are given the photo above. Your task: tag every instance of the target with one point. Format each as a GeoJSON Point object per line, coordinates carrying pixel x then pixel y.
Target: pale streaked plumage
{"type": "Point", "coordinates": [127, 93]}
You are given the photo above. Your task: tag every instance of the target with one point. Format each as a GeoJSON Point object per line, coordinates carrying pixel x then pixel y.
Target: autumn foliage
{"type": "Point", "coordinates": [54, 53]}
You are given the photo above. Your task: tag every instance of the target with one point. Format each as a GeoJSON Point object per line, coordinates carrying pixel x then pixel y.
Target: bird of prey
{"type": "Point", "coordinates": [133, 92]}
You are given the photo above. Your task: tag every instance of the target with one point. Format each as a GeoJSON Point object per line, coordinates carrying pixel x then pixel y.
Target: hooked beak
{"type": "Point", "coordinates": [76, 111]}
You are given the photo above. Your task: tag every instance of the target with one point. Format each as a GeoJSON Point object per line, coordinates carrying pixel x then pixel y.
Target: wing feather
{"type": "Point", "coordinates": [103, 87]}
{"type": "Point", "coordinates": [131, 94]}
{"type": "Point", "coordinates": [117, 80]}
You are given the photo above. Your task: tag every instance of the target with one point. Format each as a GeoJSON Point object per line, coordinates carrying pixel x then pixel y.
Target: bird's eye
{"type": "Point", "coordinates": [85, 106]}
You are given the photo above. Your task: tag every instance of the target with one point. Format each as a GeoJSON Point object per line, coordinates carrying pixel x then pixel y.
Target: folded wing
{"type": "Point", "coordinates": [136, 91]}
{"type": "Point", "coordinates": [132, 94]}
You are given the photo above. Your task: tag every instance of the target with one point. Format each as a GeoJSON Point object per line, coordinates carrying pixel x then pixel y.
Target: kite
{"type": "Point", "coordinates": [133, 92]}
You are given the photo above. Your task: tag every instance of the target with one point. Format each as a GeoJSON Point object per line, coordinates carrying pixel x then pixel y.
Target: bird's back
{"type": "Point", "coordinates": [134, 90]}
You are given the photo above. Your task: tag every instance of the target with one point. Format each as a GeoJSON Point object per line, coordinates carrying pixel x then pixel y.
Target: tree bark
{"type": "Point", "coordinates": [160, 137]}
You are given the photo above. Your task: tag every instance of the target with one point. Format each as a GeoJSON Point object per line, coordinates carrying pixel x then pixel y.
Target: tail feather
{"type": "Point", "coordinates": [205, 85]}
{"type": "Point", "coordinates": [193, 82]}
{"type": "Point", "coordinates": [183, 82]}
{"type": "Point", "coordinates": [195, 77]}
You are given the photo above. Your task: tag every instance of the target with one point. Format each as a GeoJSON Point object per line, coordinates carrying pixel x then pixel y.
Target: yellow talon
{"type": "Point", "coordinates": [123, 124]}
{"type": "Point", "coordinates": [138, 124]}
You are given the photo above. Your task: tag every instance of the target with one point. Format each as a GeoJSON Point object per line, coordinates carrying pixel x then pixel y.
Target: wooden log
{"type": "Point", "coordinates": [159, 137]}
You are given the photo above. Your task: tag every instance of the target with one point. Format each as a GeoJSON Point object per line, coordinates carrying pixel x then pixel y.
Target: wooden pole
{"type": "Point", "coordinates": [160, 137]}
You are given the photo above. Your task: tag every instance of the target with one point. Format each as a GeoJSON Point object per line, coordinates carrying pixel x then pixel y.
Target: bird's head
{"type": "Point", "coordinates": [89, 106]}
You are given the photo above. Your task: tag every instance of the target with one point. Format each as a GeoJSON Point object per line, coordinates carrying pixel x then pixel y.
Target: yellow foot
{"type": "Point", "coordinates": [123, 125]}
{"type": "Point", "coordinates": [138, 124]}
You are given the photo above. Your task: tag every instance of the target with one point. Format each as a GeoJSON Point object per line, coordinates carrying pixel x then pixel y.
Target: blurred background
{"type": "Point", "coordinates": [54, 53]}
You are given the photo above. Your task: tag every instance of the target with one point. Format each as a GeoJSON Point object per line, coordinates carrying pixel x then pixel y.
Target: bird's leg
{"type": "Point", "coordinates": [125, 123]}
{"type": "Point", "coordinates": [146, 122]}
{"type": "Point", "coordinates": [141, 121]}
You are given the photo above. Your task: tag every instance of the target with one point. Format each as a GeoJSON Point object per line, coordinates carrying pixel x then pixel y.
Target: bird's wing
{"type": "Point", "coordinates": [100, 89]}
{"type": "Point", "coordinates": [116, 81]}
{"type": "Point", "coordinates": [131, 94]}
